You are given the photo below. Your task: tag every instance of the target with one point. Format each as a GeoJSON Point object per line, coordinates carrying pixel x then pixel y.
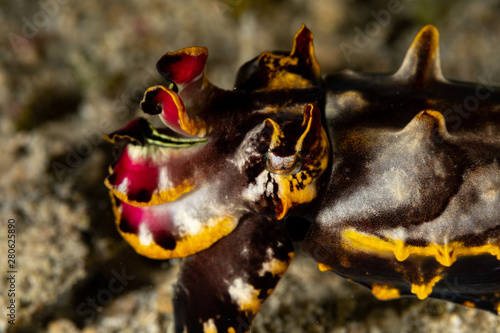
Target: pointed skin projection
{"type": "Point", "coordinates": [397, 174]}
{"type": "Point", "coordinates": [413, 204]}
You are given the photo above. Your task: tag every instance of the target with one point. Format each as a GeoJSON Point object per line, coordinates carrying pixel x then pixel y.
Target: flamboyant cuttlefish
{"type": "Point", "coordinates": [398, 176]}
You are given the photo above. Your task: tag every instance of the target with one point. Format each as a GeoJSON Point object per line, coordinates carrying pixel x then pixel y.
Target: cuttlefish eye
{"type": "Point", "coordinates": [287, 165]}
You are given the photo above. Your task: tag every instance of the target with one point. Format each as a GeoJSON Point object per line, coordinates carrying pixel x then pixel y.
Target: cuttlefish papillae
{"type": "Point", "coordinates": [398, 176]}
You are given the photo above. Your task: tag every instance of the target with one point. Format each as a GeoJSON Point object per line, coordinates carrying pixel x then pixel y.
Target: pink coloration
{"type": "Point", "coordinates": [142, 177]}
{"type": "Point", "coordinates": [183, 66]}
{"type": "Point", "coordinates": [171, 104]}
{"type": "Point", "coordinates": [133, 215]}
{"type": "Point", "coordinates": [153, 216]}
{"type": "Point", "coordinates": [152, 224]}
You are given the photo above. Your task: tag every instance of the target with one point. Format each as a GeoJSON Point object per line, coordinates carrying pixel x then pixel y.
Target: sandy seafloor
{"type": "Point", "coordinates": [71, 71]}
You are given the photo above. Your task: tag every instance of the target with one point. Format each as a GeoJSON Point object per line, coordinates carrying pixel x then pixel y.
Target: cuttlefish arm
{"type": "Point", "coordinates": [256, 254]}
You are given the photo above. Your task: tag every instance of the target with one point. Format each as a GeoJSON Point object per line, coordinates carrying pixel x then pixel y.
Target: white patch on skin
{"type": "Point", "coordinates": [135, 152]}
{"type": "Point", "coordinates": [192, 214]}
{"type": "Point", "coordinates": [209, 326]}
{"type": "Point", "coordinates": [246, 150]}
{"type": "Point", "coordinates": [184, 220]}
{"type": "Point", "coordinates": [398, 233]}
{"type": "Point", "coordinates": [255, 191]}
{"type": "Point", "coordinates": [244, 252]}
{"type": "Point", "coordinates": [351, 100]}
{"type": "Point", "coordinates": [245, 295]}
{"type": "Point", "coordinates": [123, 187]}
{"type": "Point", "coordinates": [490, 195]}
{"type": "Point", "coordinates": [158, 154]}
{"type": "Point", "coordinates": [368, 201]}
{"type": "Point", "coordinates": [397, 185]}
{"type": "Point", "coordinates": [267, 110]}
{"type": "Point", "coordinates": [145, 235]}
{"type": "Point", "coordinates": [269, 188]}
{"type": "Point", "coordinates": [440, 169]}
{"type": "Point", "coordinates": [392, 187]}
{"type": "Point", "coordinates": [164, 181]}
{"type": "Point", "coordinates": [467, 218]}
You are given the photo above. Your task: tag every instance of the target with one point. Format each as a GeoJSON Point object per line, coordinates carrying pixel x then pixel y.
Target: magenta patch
{"type": "Point", "coordinates": [142, 177]}
{"type": "Point", "coordinates": [157, 220]}
{"type": "Point", "coordinates": [181, 68]}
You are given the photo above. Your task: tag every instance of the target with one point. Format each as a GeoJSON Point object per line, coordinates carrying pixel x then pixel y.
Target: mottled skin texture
{"type": "Point", "coordinates": [398, 176]}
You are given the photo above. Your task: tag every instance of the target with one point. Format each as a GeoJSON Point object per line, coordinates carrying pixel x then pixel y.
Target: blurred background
{"type": "Point", "coordinates": [72, 71]}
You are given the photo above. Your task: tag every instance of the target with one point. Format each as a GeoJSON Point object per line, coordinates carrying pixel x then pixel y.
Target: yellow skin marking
{"type": "Point", "coordinates": [246, 296]}
{"type": "Point", "coordinates": [288, 197]}
{"type": "Point", "coordinates": [288, 80]}
{"type": "Point", "coordinates": [209, 326]}
{"type": "Point", "coordinates": [270, 58]}
{"type": "Point", "coordinates": [157, 197]}
{"type": "Point", "coordinates": [424, 290]}
{"type": "Point", "coordinates": [277, 133]}
{"type": "Point", "coordinates": [324, 268]}
{"type": "Point", "coordinates": [193, 126]}
{"type": "Point", "coordinates": [446, 254]}
{"type": "Point", "coordinates": [307, 122]}
{"type": "Point", "coordinates": [288, 61]}
{"type": "Point", "coordinates": [231, 330]}
{"type": "Point", "coordinates": [252, 306]}
{"type": "Point", "coordinates": [384, 293]}
{"type": "Point", "coordinates": [187, 246]}
{"type": "Point", "coordinates": [279, 78]}
{"type": "Point", "coordinates": [498, 307]}
{"type": "Point", "coordinates": [469, 304]}
{"type": "Point", "coordinates": [277, 267]}
{"type": "Point", "coordinates": [193, 51]}
{"type": "Point", "coordinates": [190, 244]}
